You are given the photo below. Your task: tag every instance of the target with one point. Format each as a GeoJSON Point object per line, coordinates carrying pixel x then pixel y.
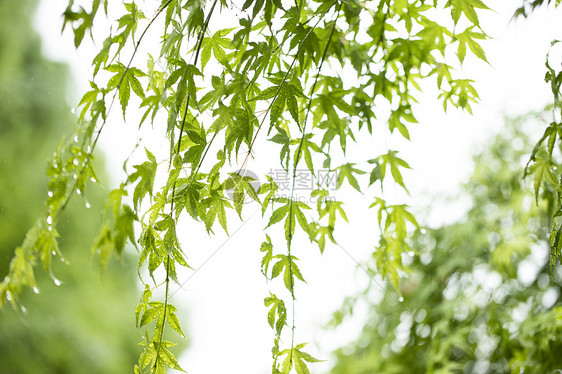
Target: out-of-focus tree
{"type": "Point", "coordinates": [481, 297]}
{"type": "Point", "coordinates": [83, 326]}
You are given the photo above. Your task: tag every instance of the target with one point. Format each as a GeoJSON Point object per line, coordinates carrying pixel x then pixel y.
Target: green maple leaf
{"type": "Point", "coordinates": [399, 215]}
{"type": "Point", "coordinates": [331, 208]}
{"type": "Point", "coordinates": [282, 138]}
{"type": "Point", "coordinates": [170, 360]}
{"type": "Point", "coordinates": [297, 358]}
{"type": "Point", "coordinates": [287, 266]}
{"type": "Point", "coordinates": [240, 130]}
{"type": "Point", "coordinates": [216, 207]}
{"type": "Point", "coordinates": [278, 214]}
{"type": "Point", "coordinates": [270, 189]}
{"type": "Point", "coordinates": [242, 186]}
{"type": "Point", "coordinates": [103, 245]}
{"type": "Point", "coordinates": [283, 94]}
{"type": "Point", "coordinates": [216, 45]}
{"type": "Point", "coordinates": [146, 173]}
{"type": "Point", "coordinates": [173, 320]}
{"type": "Point", "coordinates": [542, 170]}
{"type": "Point", "coordinates": [277, 314]}
{"type": "Point", "coordinates": [266, 247]}
{"type": "Point", "coordinates": [154, 311]}
{"type": "Point", "coordinates": [396, 120]}
{"type": "Point", "coordinates": [388, 160]}
{"type": "Point", "coordinates": [124, 80]}
{"type": "Point", "coordinates": [305, 145]}
{"type": "Point", "coordinates": [143, 304]}
{"type": "Point", "coordinates": [297, 215]}
{"type": "Point", "coordinates": [124, 229]}
{"type": "Point", "coordinates": [466, 7]}
{"type": "Point", "coordinates": [467, 38]}
{"type": "Point", "coordinates": [47, 243]}
{"type": "Point", "coordinates": [347, 171]}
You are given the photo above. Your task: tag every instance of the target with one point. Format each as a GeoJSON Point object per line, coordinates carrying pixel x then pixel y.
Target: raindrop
{"type": "Point", "coordinates": [9, 296]}
{"type": "Point", "coordinates": [57, 282]}
{"type": "Point", "coordinates": [75, 162]}
{"type": "Point", "coordinates": [400, 299]}
{"type": "Point", "coordinates": [79, 192]}
{"type": "Point", "coordinates": [36, 290]}
{"type": "Point", "coordinates": [50, 228]}
{"type": "Point", "coordinates": [411, 253]}
{"type": "Point", "coordinates": [88, 205]}
{"type": "Point", "coordinates": [23, 309]}
{"type": "Point", "coordinates": [72, 110]}
{"type": "Point", "coordinates": [50, 193]}
{"type": "Point", "coordinates": [75, 176]}
{"type": "Point", "coordinates": [50, 220]}
{"type": "Point", "coordinates": [92, 179]}
{"type": "Point", "coordinates": [76, 138]}
{"type": "Point", "coordinates": [89, 149]}
{"type": "Point", "coordinates": [53, 253]}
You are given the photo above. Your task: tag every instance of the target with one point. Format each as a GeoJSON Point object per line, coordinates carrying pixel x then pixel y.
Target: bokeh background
{"type": "Point", "coordinates": [85, 325]}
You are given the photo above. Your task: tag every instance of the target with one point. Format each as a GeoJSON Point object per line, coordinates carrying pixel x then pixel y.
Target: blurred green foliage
{"type": "Point", "coordinates": [84, 326]}
{"type": "Point", "coordinates": [481, 297]}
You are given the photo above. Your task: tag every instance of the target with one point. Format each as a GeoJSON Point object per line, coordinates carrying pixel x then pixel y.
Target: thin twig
{"type": "Point", "coordinates": [295, 164]}
{"type": "Point", "coordinates": [95, 142]}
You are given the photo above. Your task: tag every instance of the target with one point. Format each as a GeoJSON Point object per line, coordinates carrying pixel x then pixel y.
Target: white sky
{"type": "Point", "coordinates": [221, 307]}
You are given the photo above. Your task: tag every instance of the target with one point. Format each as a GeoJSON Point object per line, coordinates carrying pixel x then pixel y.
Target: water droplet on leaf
{"type": "Point", "coordinates": [36, 290]}
{"type": "Point", "coordinates": [88, 205]}
{"type": "Point", "coordinates": [50, 220]}
{"type": "Point", "coordinates": [57, 282]}
{"type": "Point", "coordinates": [76, 138]}
{"type": "Point", "coordinates": [79, 192]}
{"type": "Point", "coordinates": [400, 299]}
